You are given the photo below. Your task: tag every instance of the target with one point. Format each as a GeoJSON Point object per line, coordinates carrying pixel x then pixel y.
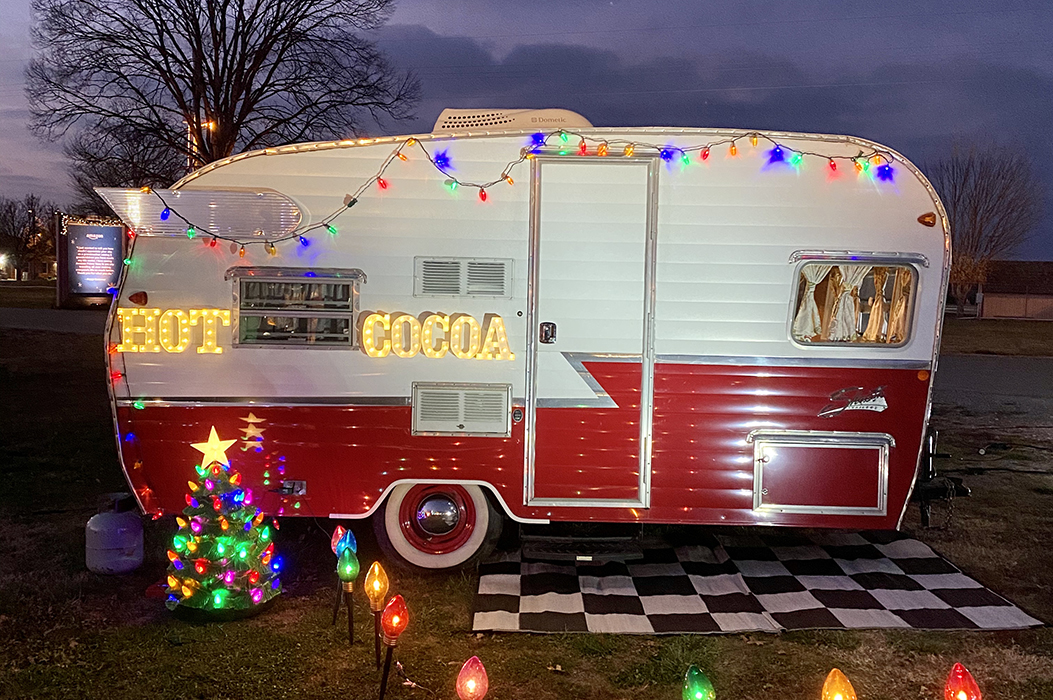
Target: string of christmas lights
{"type": "Point", "coordinates": [541, 142]}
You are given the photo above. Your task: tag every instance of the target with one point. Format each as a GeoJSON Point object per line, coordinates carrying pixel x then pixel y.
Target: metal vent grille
{"type": "Point", "coordinates": [472, 277]}
{"type": "Point", "coordinates": [461, 409]}
{"type": "Point", "coordinates": [462, 121]}
{"type": "Point", "coordinates": [440, 277]}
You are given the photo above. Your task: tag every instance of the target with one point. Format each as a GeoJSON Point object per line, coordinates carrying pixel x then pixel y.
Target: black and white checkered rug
{"type": "Point", "coordinates": [751, 583]}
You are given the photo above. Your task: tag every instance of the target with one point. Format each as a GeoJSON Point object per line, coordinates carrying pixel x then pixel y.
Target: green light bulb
{"type": "Point", "coordinates": [138, 405]}
{"type": "Point", "coordinates": [347, 565]}
{"type": "Point", "coordinates": [331, 229]}
{"type": "Point", "coordinates": [127, 261]}
{"type": "Point", "coordinates": [191, 232]}
{"type": "Point", "coordinates": [697, 686]}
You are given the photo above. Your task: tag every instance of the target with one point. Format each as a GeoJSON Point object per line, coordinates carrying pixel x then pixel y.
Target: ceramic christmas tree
{"type": "Point", "coordinates": [222, 558]}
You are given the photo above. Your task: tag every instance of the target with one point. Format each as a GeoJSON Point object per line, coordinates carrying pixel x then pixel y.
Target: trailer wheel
{"type": "Point", "coordinates": [428, 527]}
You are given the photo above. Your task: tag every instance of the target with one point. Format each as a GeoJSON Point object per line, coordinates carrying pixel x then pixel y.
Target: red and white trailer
{"type": "Point", "coordinates": [523, 316]}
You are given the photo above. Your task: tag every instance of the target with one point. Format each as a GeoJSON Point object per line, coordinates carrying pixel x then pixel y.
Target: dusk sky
{"type": "Point", "coordinates": [913, 75]}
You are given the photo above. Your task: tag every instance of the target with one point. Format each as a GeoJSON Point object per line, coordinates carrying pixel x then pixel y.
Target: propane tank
{"type": "Point", "coordinates": [113, 539]}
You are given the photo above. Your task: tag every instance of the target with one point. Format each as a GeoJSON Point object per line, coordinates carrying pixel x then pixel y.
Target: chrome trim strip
{"type": "Point", "coordinates": [264, 273]}
{"type": "Point", "coordinates": [530, 398]}
{"type": "Point", "coordinates": [270, 401]}
{"type": "Point", "coordinates": [842, 362]}
{"type": "Point", "coordinates": [849, 256]}
{"type": "Point", "coordinates": [882, 442]}
{"type": "Point", "coordinates": [577, 360]}
{"type": "Point", "coordinates": [487, 484]}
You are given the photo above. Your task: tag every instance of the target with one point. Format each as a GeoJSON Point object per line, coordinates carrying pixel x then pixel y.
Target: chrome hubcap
{"type": "Point", "coordinates": [438, 515]}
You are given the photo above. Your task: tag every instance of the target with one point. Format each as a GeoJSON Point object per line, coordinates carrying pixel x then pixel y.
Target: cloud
{"type": "Point", "coordinates": [918, 110]}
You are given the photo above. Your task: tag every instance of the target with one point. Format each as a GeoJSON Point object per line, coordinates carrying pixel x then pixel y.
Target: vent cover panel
{"type": "Point", "coordinates": [470, 277]}
{"type": "Point", "coordinates": [462, 409]}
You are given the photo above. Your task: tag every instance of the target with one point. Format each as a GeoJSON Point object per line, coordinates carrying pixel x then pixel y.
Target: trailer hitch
{"type": "Point", "coordinates": [930, 486]}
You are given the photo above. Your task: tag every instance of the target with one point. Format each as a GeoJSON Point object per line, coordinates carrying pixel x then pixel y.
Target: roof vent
{"type": "Point", "coordinates": [500, 119]}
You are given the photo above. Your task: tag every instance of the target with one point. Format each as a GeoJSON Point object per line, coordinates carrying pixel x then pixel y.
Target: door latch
{"type": "Point", "coordinates": [547, 333]}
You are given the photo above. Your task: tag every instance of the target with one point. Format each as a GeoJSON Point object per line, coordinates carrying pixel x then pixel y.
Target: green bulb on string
{"type": "Point", "coordinates": [697, 686]}
{"type": "Point", "coordinates": [347, 566]}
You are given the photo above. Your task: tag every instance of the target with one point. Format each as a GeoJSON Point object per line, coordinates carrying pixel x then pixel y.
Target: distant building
{"type": "Point", "coordinates": [1018, 289]}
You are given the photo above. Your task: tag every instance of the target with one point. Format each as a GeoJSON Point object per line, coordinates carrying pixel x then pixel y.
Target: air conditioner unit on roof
{"type": "Point", "coordinates": [491, 119]}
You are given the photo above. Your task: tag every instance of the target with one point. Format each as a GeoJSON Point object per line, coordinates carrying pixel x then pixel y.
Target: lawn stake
{"type": "Point", "coordinates": [393, 622]}
{"type": "Point", "coordinates": [376, 591]}
{"type": "Point", "coordinates": [347, 570]}
{"type": "Point", "coordinates": [337, 544]}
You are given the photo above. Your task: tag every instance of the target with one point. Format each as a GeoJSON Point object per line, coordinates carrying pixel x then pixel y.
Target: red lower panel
{"type": "Point", "coordinates": [702, 464]}
{"type": "Point", "coordinates": [821, 477]}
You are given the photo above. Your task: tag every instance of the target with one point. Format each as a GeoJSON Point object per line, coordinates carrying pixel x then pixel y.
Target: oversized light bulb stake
{"type": "Point", "coordinates": [697, 686]}
{"type": "Point", "coordinates": [961, 685]}
{"type": "Point", "coordinates": [837, 687]}
{"type": "Point", "coordinates": [377, 592]}
{"type": "Point", "coordinates": [341, 540]}
{"type": "Point", "coordinates": [347, 570]}
{"type": "Point", "coordinates": [472, 682]}
{"type": "Point", "coordinates": [393, 622]}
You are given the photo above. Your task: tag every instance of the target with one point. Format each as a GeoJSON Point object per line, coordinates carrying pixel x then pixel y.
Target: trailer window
{"type": "Point", "coordinates": [855, 303]}
{"type": "Point", "coordinates": [296, 307]}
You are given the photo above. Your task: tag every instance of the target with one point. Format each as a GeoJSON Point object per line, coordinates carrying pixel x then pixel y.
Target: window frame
{"type": "Point", "coordinates": [909, 261]}
{"type": "Point", "coordinates": [279, 275]}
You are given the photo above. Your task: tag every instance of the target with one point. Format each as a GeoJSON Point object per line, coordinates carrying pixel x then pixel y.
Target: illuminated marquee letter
{"type": "Point", "coordinates": [457, 337]}
{"type": "Point", "coordinates": [208, 335]}
{"type": "Point", "coordinates": [182, 330]}
{"type": "Point", "coordinates": [129, 329]}
{"type": "Point", "coordinates": [428, 341]}
{"type": "Point", "coordinates": [369, 337]}
{"type": "Point", "coordinates": [398, 336]}
{"type": "Point", "coordinates": [495, 344]}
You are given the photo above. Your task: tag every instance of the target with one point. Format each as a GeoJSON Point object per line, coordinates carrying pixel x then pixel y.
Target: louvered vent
{"type": "Point", "coordinates": [474, 120]}
{"type": "Point", "coordinates": [459, 409]}
{"type": "Point", "coordinates": [471, 277]}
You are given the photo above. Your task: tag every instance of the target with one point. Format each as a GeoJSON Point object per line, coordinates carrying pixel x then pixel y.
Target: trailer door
{"type": "Point", "coordinates": [590, 351]}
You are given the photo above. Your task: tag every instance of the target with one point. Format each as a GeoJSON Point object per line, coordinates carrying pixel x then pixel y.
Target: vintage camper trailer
{"type": "Point", "coordinates": [522, 316]}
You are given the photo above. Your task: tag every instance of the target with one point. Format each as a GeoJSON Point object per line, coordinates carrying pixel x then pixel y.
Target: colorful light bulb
{"type": "Point", "coordinates": [191, 232]}
{"type": "Point", "coordinates": [376, 586]}
{"type": "Point", "coordinates": [705, 153]}
{"type": "Point", "coordinates": [833, 164]}
{"type": "Point", "coordinates": [629, 150]}
{"type": "Point", "coordinates": [212, 243]}
{"type": "Point", "coordinates": [753, 139]}
{"type": "Point", "coordinates": [331, 229]}
{"type": "Point", "coordinates": [402, 156]}
{"type": "Point", "coordinates": [697, 686]}
{"type": "Point", "coordinates": [165, 214]}
{"type": "Point", "coordinates": [382, 183]}
{"type": "Point", "coordinates": [602, 150]}
{"type": "Point", "coordinates": [347, 566]}
{"type": "Point", "coordinates": [346, 541]}
{"type": "Point", "coordinates": [482, 194]}
{"type": "Point", "coordinates": [241, 253]}
{"type": "Point", "coordinates": [472, 682]}
{"type": "Point", "coordinates": [961, 685]}
{"type": "Point", "coordinates": [733, 150]}
{"type": "Point", "coordinates": [411, 142]}
{"type": "Point", "coordinates": [304, 242]}
{"type": "Point", "coordinates": [394, 620]}
{"type": "Point", "coordinates": [507, 178]}
{"type": "Point", "coordinates": [837, 687]}
{"type": "Point", "coordinates": [442, 160]}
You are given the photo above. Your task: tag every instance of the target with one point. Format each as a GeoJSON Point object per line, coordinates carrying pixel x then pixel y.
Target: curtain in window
{"type": "Point", "coordinates": [844, 321]}
{"type": "Point", "coordinates": [876, 326]}
{"type": "Point", "coordinates": [897, 317]}
{"type": "Point", "coordinates": [807, 324]}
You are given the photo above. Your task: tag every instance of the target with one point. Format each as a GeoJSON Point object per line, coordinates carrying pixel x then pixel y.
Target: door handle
{"type": "Point", "coordinates": [547, 333]}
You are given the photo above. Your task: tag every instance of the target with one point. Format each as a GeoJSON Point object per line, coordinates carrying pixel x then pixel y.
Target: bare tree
{"type": "Point", "coordinates": [993, 199]}
{"type": "Point", "coordinates": [202, 79]}
{"type": "Point", "coordinates": [24, 234]}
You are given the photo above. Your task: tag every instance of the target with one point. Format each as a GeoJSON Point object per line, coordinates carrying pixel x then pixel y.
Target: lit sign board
{"type": "Point", "coordinates": [402, 335]}
{"type": "Point", "coordinates": [94, 257]}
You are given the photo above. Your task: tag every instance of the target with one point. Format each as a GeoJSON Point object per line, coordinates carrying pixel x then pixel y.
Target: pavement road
{"type": "Point", "coordinates": [982, 383]}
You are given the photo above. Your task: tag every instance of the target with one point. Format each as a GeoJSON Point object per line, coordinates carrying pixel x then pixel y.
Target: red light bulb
{"type": "Point", "coordinates": [960, 685]}
{"type": "Point", "coordinates": [833, 164]}
{"type": "Point", "coordinates": [472, 682]}
{"type": "Point", "coordinates": [337, 534]}
{"type": "Point", "coordinates": [201, 566]}
{"type": "Point", "coordinates": [212, 243]}
{"type": "Point", "coordinates": [582, 148]}
{"type": "Point", "coordinates": [382, 183]}
{"type": "Point", "coordinates": [705, 154]}
{"type": "Point", "coordinates": [116, 376]}
{"type": "Point", "coordinates": [482, 194]}
{"type": "Point", "coordinates": [394, 620]}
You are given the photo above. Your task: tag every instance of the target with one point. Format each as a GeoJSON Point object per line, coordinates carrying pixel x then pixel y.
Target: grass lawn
{"type": "Point", "coordinates": [68, 633]}
{"type": "Point", "coordinates": [27, 295]}
{"type": "Point", "coordinates": [997, 337]}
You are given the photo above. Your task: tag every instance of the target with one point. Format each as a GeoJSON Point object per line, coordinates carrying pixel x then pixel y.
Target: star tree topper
{"type": "Point", "coordinates": [214, 450]}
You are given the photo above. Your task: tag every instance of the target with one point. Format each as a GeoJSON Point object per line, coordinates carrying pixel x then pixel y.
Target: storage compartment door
{"type": "Point", "coordinates": [819, 472]}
